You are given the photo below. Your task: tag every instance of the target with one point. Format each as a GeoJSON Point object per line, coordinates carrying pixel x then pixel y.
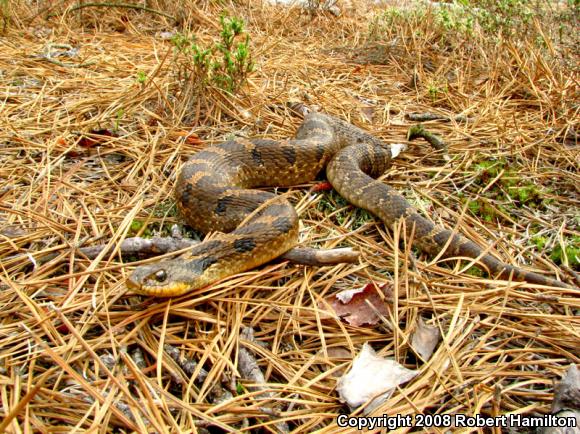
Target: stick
{"type": "Point", "coordinates": [425, 117]}
{"type": "Point", "coordinates": [119, 5]}
{"type": "Point", "coordinates": [249, 370]}
{"type": "Point", "coordinates": [162, 245]}
{"type": "Point", "coordinates": [433, 139]}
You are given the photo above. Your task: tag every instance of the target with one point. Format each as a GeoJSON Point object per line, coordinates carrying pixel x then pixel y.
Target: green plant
{"type": "Point", "coordinates": [342, 211]}
{"type": "Point", "coordinates": [569, 255]}
{"type": "Point", "coordinates": [386, 22]}
{"type": "Point", "coordinates": [455, 19]}
{"type": "Point", "coordinates": [239, 388]}
{"type": "Point", "coordinates": [509, 190]}
{"type": "Point", "coordinates": [507, 16]}
{"type": "Point", "coordinates": [119, 115]}
{"type": "Point", "coordinates": [141, 77]}
{"type": "Point", "coordinates": [435, 91]}
{"type": "Point", "coordinates": [164, 208]}
{"type": "Point", "coordinates": [485, 210]}
{"type": "Point", "coordinates": [455, 22]}
{"type": "Point", "coordinates": [135, 227]}
{"type": "Point", "coordinates": [540, 242]}
{"type": "Point", "coordinates": [225, 64]}
{"type": "Point", "coordinates": [475, 271]}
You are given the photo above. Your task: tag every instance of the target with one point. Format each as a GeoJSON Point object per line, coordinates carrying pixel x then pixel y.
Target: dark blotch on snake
{"type": "Point", "coordinates": [222, 205]}
{"type": "Point", "coordinates": [206, 262]}
{"type": "Point", "coordinates": [290, 154]}
{"type": "Point", "coordinates": [282, 224]}
{"type": "Point", "coordinates": [257, 157]}
{"type": "Point", "coordinates": [244, 245]}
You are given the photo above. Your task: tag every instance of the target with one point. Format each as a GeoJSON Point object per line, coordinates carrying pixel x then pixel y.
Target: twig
{"type": "Point", "coordinates": [319, 257]}
{"type": "Point", "coordinates": [48, 56]}
{"type": "Point", "coordinates": [434, 140]}
{"type": "Point", "coordinates": [249, 370]}
{"type": "Point", "coordinates": [162, 245]}
{"type": "Point", "coordinates": [187, 365]}
{"type": "Point", "coordinates": [218, 393]}
{"type": "Point", "coordinates": [574, 274]}
{"type": "Point", "coordinates": [427, 116]}
{"type": "Point", "coordinates": [119, 5]}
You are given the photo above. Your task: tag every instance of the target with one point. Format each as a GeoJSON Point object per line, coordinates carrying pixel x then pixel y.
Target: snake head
{"type": "Point", "coordinates": [169, 278]}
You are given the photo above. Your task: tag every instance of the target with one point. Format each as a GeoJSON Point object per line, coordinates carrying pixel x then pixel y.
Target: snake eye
{"type": "Point", "coordinates": [160, 276]}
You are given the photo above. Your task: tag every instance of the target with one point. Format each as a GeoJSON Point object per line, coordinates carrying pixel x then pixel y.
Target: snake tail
{"type": "Point", "coordinates": [348, 172]}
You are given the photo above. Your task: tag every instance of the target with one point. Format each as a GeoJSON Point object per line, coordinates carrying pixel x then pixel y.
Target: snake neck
{"type": "Point", "coordinates": [333, 133]}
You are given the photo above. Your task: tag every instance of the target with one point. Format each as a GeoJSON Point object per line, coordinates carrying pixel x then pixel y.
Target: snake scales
{"type": "Point", "coordinates": [214, 193]}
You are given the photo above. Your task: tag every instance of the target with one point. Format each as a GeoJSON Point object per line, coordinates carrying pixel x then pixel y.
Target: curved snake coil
{"type": "Point", "coordinates": [213, 193]}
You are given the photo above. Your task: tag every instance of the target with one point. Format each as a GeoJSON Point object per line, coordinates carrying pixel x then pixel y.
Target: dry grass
{"type": "Point", "coordinates": [79, 353]}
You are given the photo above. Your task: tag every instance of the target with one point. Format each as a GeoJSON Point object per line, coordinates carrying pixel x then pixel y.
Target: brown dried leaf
{"type": "Point", "coordinates": [425, 339]}
{"type": "Point", "coordinates": [360, 306]}
{"type": "Point", "coordinates": [13, 231]}
{"type": "Point", "coordinates": [338, 353]}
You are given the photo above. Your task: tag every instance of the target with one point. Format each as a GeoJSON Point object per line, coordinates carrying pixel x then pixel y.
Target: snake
{"type": "Point", "coordinates": [217, 191]}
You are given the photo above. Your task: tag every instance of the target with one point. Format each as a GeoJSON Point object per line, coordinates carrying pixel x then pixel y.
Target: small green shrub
{"type": "Point", "coordinates": [225, 64]}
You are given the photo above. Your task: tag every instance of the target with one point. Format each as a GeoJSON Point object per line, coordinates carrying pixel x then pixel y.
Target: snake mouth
{"type": "Point", "coordinates": [173, 290]}
{"type": "Point", "coordinates": [133, 286]}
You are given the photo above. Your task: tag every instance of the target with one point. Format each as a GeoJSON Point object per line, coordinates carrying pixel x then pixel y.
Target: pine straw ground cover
{"type": "Point", "coordinates": [77, 352]}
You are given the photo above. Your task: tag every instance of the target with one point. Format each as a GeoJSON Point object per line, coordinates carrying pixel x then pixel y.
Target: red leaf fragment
{"type": "Point", "coordinates": [63, 329]}
{"type": "Point", "coordinates": [95, 138]}
{"type": "Point", "coordinates": [360, 306]}
{"type": "Point", "coordinates": [189, 137]}
{"type": "Point", "coordinates": [193, 140]}
{"type": "Point", "coordinates": [321, 186]}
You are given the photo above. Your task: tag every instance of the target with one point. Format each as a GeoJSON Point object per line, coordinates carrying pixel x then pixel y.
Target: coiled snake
{"type": "Point", "coordinates": [213, 193]}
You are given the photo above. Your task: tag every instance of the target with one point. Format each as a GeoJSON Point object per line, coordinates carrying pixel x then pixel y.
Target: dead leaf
{"type": "Point", "coordinates": [367, 113]}
{"type": "Point", "coordinates": [338, 353]}
{"type": "Point", "coordinates": [336, 356]}
{"type": "Point", "coordinates": [95, 138]}
{"type": "Point", "coordinates": [397, 148]}
{"type": "Point", "coordinates": [425, 339]}
{"type": "Point", "coordinates": [13, 231]}
{"type": "Point", "coordinates": [372, 377]}
{"type": "Point", "coordinates": [360, 306]}
{"type": "Point", "coordinates": [566, 403]}
{"type": "Point", "coordinates": [567, 394]}
{"type": "Point", "coordinates": [188, 137]}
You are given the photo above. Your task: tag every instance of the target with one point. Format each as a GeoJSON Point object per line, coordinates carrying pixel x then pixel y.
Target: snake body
{"type": "Point", "coordinates": [215, 192]}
